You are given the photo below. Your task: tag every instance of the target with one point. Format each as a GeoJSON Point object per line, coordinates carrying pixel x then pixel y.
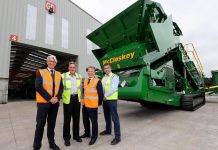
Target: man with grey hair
{"type": "Point", "coordinates": [48, 94]}
{"type": "Point", "coordinates": [72, 83]}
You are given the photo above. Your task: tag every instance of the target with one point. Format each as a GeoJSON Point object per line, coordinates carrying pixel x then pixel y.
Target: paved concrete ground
{"type": "Point", "coordinates": [160, 128]}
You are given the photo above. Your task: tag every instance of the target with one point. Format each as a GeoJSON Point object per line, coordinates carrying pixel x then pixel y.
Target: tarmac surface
{"type": "Point", "coordinates": [142, 128]}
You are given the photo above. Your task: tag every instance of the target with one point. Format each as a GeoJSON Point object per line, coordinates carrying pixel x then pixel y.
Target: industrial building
{"type": "Point", "coordinates": [30, 30]}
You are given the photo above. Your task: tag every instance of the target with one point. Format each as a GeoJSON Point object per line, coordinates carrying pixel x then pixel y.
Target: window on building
{"type": "Point", "coordinates": [31, 21]}
{"type": "Point", "coordinates": [49, 29]}
{"type": "Point", "coordinates": [89, 43]}
{"type": "Point", "coordinates": [65, 33]}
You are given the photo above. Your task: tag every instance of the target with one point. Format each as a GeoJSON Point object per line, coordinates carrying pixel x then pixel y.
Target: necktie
{"type": "Point", "coordinates": [52, 74]}
{"type": "Point", "coordinates": [53, 89]}
{"type": "Point", "coordinates": [89, 81]}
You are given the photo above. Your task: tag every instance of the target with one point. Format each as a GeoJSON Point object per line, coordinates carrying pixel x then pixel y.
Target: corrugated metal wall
{"type": "Point", "coordinates": [13, 21]}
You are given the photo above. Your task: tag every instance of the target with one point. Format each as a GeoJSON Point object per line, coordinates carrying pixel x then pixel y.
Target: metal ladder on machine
{"type": "Point", "coordinates": [195, 67]}
{"type": "Point", "coordinates": [190, 49]}
{"type": "Point", "coordinates": [195, 70]}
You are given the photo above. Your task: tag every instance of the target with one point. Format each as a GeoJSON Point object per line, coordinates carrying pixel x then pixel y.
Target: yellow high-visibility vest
{"type": "Point", "coordinates": [107, 87]}
{"type": "Point", "coordinates": [67, 87]}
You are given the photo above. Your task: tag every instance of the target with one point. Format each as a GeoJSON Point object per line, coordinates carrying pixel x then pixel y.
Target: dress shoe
{"type": "Point", "coordinates": [78, 139]}
{"type": "Point", "coordinates": [105, 133]}
{"type": "Point", "coordinates": [67, 142]}
{"type": "Point", "coordinates": [53, 146]}
{"type": "Point", "coordinates": [115, 141]}
{"type": "Point", "coordinates": [93, 140]}
{"type": "Point", "coordinates": [84, 135]}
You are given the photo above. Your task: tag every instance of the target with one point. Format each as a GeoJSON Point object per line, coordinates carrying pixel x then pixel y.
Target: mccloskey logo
{"type": "Point", "coordinates": [119, 58]}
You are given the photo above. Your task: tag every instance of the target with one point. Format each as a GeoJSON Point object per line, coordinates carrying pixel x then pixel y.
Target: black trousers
{"type": "Point", "coordinates": [71, 110]}
{"type": "Point", "coordinates": [45, 111]}
{"type": "Point", "coordinates": [90, 114]}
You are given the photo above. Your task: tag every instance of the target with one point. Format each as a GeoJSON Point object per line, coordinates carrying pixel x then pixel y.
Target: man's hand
{"type": "Point", "coordinates": [54, 100]}
{"type": "Point", "coordinates": [104, 99]}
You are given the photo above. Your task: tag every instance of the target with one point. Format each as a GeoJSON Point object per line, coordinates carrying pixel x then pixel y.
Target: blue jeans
{"type": "Point", "coordinates": [110, 111]}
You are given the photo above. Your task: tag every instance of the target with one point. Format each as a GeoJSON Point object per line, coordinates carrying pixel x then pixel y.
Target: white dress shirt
{"type": "Point", "coordinates": [74, 88]}
{"type": "Point", "coordinates": [50, 70]}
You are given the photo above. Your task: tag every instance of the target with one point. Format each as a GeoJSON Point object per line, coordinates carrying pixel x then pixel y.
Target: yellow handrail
{"type": "Point", "coordinates": [213, 87]}
{"type": "Point", "coordinates": [195, 57]}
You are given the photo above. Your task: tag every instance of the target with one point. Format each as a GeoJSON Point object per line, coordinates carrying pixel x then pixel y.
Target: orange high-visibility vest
{"type": "Point", "coordinates": [48, 84]}
{"type": "Point", "coordinates": [90, 99]}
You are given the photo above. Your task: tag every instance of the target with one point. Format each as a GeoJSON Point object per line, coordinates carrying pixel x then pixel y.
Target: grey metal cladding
{"type": "Point", "coordinates": [13, 15]}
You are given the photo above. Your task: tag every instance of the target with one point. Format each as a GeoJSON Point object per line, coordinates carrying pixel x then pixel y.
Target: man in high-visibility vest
{"type": "Point", "coordinates": [72, 83]}
{"type": "Point", "coordinates": [92, 98]}
{"type": "Point", "coordinates": [49, 89]}
{"type": "Point", "coordinates": [110, 84]}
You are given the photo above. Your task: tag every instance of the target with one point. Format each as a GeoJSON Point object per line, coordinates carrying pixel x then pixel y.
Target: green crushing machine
{"type": "Point", "coordinates": [143, 48]}
{"type": "Point", "coordinates": [215, 77]}
{"type": "Point", "coordinates": [213, 89]}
